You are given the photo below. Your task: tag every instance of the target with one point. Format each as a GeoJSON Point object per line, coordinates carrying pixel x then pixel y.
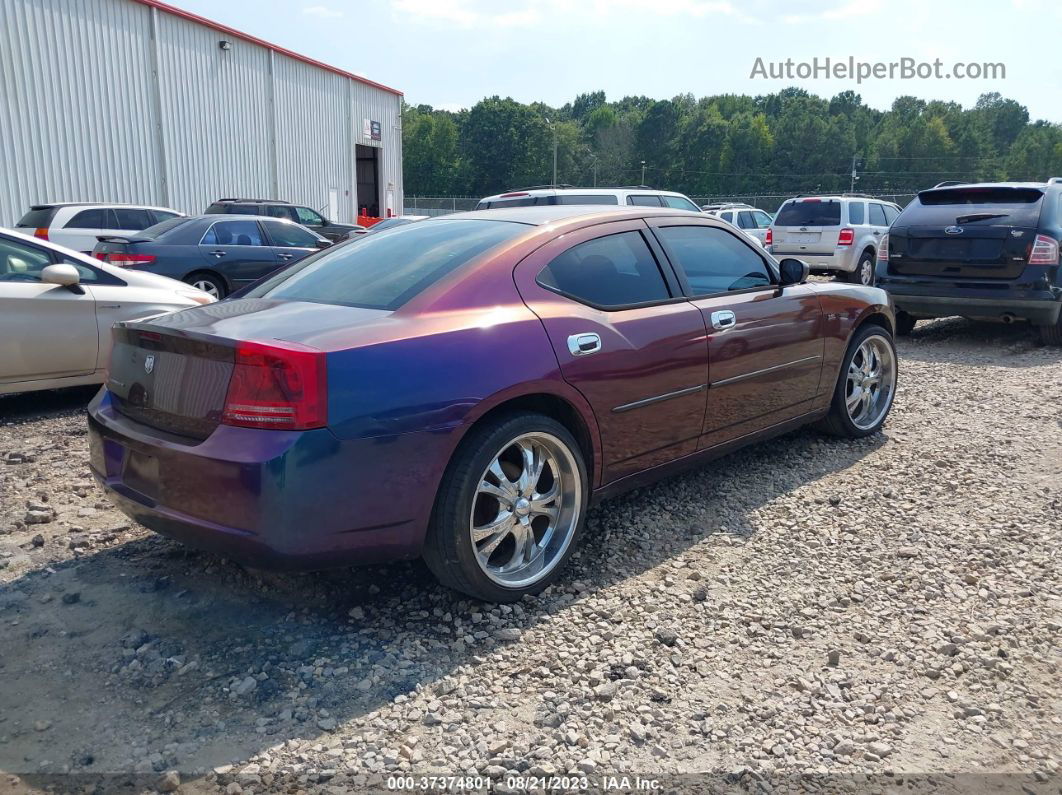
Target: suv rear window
{"type": "Point", "coordinates": [809, 213]}
{"type": "Point", "coordinates": [386, 271]}
{"type": "Point", "coordinates": [1014, 206]}
{"type": "Point", "coordinates": [37, 219]}
{"type": "Point", "coordinates": [580, 198]}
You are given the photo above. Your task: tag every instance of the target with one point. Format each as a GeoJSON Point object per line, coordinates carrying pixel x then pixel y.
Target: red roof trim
{"type": "Point", "coordinates": [180, 12]}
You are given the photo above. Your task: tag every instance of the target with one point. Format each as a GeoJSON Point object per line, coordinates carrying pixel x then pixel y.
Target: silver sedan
{"type": "Point", "coordinates": [57, 307]}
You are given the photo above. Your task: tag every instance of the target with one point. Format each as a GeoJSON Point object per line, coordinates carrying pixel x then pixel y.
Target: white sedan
{"type": "Point", "coordinates": [57, 308]}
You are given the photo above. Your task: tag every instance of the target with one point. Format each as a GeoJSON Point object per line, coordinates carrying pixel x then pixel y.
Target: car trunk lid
{"type": "Point", "coordinates": [172, 372]}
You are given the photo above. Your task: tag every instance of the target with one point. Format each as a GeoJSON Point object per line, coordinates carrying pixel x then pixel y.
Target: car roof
{"type": "Point", "coordinates": [551, 213]}
{"type": "Point", "coordinates": [56, 205]}
{"type": "Point", "coordinates": [581, 191]}
{"type": "Point", "coordinates": [966, 185]}
{"type": "Point", "coordinates": [251, 201]}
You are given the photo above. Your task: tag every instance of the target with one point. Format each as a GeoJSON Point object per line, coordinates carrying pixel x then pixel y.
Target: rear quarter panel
{"type": "Point", "coordinates": [845, 307]}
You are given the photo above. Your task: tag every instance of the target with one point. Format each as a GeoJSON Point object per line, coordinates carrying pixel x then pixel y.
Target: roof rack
{"type": "Point", "coordinates": [637, 187]}
{"type": "Point", "coordinates": [262, 201]}
{"type": "Point", "coordinates": [857, 195]}
{"type": "Point", "coordinates": [949, 182]}
{"type": "Point", "coordinates": [540, 187]}
{"type": "Point", "coordinates": [1055, 181]}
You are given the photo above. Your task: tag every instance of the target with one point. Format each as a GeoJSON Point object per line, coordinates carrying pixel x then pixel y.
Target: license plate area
{"type": "Point", "coordinates": [141, 473]}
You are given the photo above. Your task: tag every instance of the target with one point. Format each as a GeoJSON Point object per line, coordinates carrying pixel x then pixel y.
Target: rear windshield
{"type": "Point", "coordinates": [809, 213]}
{"type": "Point", "coordinates": [161, 228]}
{"type": "Point", "coordinates": [994, 205]}
{"type": "Point", "coordinates": [386, 271]}
{"type": "Point", "coordinates": [36, 219]}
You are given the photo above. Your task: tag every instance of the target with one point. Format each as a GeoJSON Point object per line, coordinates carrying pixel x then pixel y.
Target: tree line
{"type": "Point", "coordinates": [784, 143]}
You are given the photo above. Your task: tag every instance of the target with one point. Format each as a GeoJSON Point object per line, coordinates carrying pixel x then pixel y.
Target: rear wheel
{"type": "Point", "coordinates": [208, 283]}
{"type": "Point", "coordinates": [866, 385]}
{"type": "Point", "coordinates": [510, 508]}
{"type": "Point", "coordinates": [864, 272]}
{"type": "Point", "coordinates": [1052, 335]}
{"type": "Point", "coordinates": [905, 324]}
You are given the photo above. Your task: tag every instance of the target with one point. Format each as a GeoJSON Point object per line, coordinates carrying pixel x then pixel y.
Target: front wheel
{"type": "Point", "coordinates": [510, 508]}
{"type": "Point", "coordinates": [866, 385]}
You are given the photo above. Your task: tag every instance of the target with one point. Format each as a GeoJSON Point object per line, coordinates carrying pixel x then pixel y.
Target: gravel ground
{"type": "Point", "coordinates": [807, 605]}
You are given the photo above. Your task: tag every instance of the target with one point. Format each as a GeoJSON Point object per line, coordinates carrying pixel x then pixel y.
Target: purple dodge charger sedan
{"type": "Point", "coordinates": [463, 388]}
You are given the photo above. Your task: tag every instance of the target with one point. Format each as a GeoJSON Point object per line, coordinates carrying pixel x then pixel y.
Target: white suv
{"type": "Point", "coordinates": [76, 225]}
{"type": "Point", "coordinates": [751, 220]}
{"type": "Point", "coordinates": [833, 234]}
{"type": "Point", "coordinates": [637, 195]}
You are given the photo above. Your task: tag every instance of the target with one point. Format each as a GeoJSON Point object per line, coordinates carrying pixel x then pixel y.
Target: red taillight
{"type": "Point", "coordinates": [811, 200]}
{"type": "Point", "coordinates": [883, 248]}
{"type": "Point", "coordinates": [125, 260]}
{"type": "Point", "coordinates": [846, 237]}
{"type": "Point", "coordinates": [769, 238]}
{"type": "Point", "coordinates": [41, 232]}
{"type": "Point", "coordinates": [277, 385]}
{"type": "Point", "coordinates": [511, 195]}
{"type": "Point", "coordinates": [100, 255]}
{"type": "Point", "coordinates": [1044, 251]}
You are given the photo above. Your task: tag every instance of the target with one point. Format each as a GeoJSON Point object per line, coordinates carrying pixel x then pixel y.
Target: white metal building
{"type": "Point", "coordinates": [138, 101]}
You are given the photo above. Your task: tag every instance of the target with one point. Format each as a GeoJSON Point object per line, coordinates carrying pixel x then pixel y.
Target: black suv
{"type": "Point", "coordinates": [982, 251]}
{"type": "Point", "coordinates": [273, 208]}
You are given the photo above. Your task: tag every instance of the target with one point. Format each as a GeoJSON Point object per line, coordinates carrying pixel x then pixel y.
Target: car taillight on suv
{"type": "Point", "coordinates": [846, 237]}
{"type": "Point", "coordinates": [279, 385]}
{"type": "Point", "coordinates": [883, 248]}
{"type": "Point", "coordinates": [1044, 251]}
{"type": "Point", "coordinates": [769, 237]}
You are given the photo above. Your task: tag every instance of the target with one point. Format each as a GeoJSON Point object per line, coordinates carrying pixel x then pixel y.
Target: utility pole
{"type": "Point", "coordinates": [643, 174]}
{"type": "Point", "coordinates": [553, 127]}
{"type": "Point", "coordinates": [855, 173]}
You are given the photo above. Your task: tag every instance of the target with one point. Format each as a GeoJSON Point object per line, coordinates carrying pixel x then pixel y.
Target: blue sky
{"type": "Point", "coordinates": [451, 53]}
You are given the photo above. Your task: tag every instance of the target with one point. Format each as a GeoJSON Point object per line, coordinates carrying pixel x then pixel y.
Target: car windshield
{"type": "Point", "coordinates": [807, 212]}
{"type": "Point", "coordinates": [386, 271]}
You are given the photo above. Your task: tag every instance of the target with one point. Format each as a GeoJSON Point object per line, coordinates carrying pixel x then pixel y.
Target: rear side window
{"type": "Point", "coordinates": [644, 201]}
{"type": "Point", "coordinates": [386, 271]}
{"type": "Point", "coordinates": [609, 272]}
{"type": "Point", "coordinates": [745, 220]}
{"type": "Point", "coordinates": [856, 212]}
{"type": "Point", "coordinates": [244, 209]}
{"type": "Point", "coordinates": [37, 219]}
{"type": "Point", "coordinates": [95, 218]}
{"type": "Point", "coordinates": [762, 219]}
{"type": "Point", "coordinates": [308, 217]}
{"type": "Point", "coordinates": [877, 215]}
{"type": "Point", "coordinates": [891, 213]}
{"type": "Point", "coordinates": [279, 211]}
{"type": "Point", "coordinates": [803, 212]}
{"type": "Point", "coordinates": [728, 217]}
{"type": "Point", "coordinates": [132, 219]}
{"type": "Point", "coordinates": [158, 230]}
{"type": "Point", "coordinates": [234, 233]}
{"type": "Point", "coordinates": [576, 198]}
{"type": "Point", "coordinates": [163, 215]}
{"type": "Point", "coordinates": [215, 209]}
{"type": "Point", "coordinates": [679, 203]}
{"type": "Point", "coordinates": [524, 201]}
{"type": "Point", "coordinates": [713, 260]}
{"type": "Point", "coordinates": [290, 235]}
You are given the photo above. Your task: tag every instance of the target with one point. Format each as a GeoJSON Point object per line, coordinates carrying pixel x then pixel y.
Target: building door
{"type": "Point", "coordinates": [368, 180]}
{"type": "Point", "coordinates": [333, 205]}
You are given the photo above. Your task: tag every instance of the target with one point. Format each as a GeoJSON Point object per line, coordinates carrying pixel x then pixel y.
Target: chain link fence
{"type": "Point", "coordinates": [443, 205]}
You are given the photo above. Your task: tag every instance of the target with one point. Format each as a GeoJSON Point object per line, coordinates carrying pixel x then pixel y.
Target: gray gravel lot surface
{"type": "Point", "coordinates": [809, 604]}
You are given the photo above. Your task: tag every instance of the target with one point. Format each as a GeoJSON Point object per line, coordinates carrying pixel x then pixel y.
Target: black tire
{"type": "Point", "coordinates": [1052, 335]}
{"type": "Point", "coordinates": [905, 324]}
{"type": "Point", "coordinates": [448, 548]}
{"type": "Point", "coordinates": [838, 422]}
{"type": "Point", "coordinates": [217, 285]}
{"type": "Point", "coordinates": [856, 276]}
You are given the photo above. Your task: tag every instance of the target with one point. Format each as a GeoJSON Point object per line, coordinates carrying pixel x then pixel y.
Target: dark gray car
{"type": "Point", "coordinates": [272, 208]}
{"type": "Point", "coordinates": [216, 254]}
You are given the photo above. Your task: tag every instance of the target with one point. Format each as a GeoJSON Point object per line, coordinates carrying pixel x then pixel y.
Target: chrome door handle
{"type": "Point", "coordinates": [723, 319]}
{"type": "Point", "coordinates": [285, 256]}
{"type": "Point", "coordinates": [218, 253]}
{"type": "Point", "coordinates": [584, 344]}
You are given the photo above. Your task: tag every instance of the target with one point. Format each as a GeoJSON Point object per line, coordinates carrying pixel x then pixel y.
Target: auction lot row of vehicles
{"type": "Point", "coordinates": [463, 388]}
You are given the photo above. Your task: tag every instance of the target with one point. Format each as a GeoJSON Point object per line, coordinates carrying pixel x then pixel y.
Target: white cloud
{"type": "Point", "coordinates": [467, 13]}
{"type": "Point", "coordinates": [849, 10]}
{"type": "Point", "coordinates": [322, 12]}
{"type": "Point", "coordinates": [528, 13]}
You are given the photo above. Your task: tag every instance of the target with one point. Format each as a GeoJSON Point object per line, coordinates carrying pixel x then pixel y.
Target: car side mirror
{"type": "Point", "coordinates": [63, 275]}
{"type": "Point", "coordinates": [324, 244]}
{"type": "Point", "coordinates": [793, 271]}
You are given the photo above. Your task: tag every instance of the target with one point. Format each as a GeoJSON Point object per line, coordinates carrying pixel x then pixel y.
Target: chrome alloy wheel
{"type": "Point", "coordinates": [866, 272]}
{"type": "Point", "coordinates": [207, 287]}
{"type": "Point", "coordinates": [525, 510]}
{"type": "Point", "coordinates": [871, 382]}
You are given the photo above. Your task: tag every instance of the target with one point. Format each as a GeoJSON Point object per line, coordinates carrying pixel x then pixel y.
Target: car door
{"type": "Point", "coordinates": [239, 250]}
{"type": "Point", "coordinates": [49, 331]}
{"type": "Point", "coordinates": [82, 228]}
{"type": "Point", "coordinates": [765, 344]}
{"type": "Point", "coordinates": [290, 242]}
{"type": "Point", "coordinates": [625, 337]}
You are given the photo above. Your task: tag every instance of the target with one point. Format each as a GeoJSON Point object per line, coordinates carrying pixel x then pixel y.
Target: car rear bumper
{"type": "Point", "coordinates": [841, 260]}
{"type": "Point", "coordinates": [1040, 307]}
{"type": "Point", "coordinates": [273, 499]}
